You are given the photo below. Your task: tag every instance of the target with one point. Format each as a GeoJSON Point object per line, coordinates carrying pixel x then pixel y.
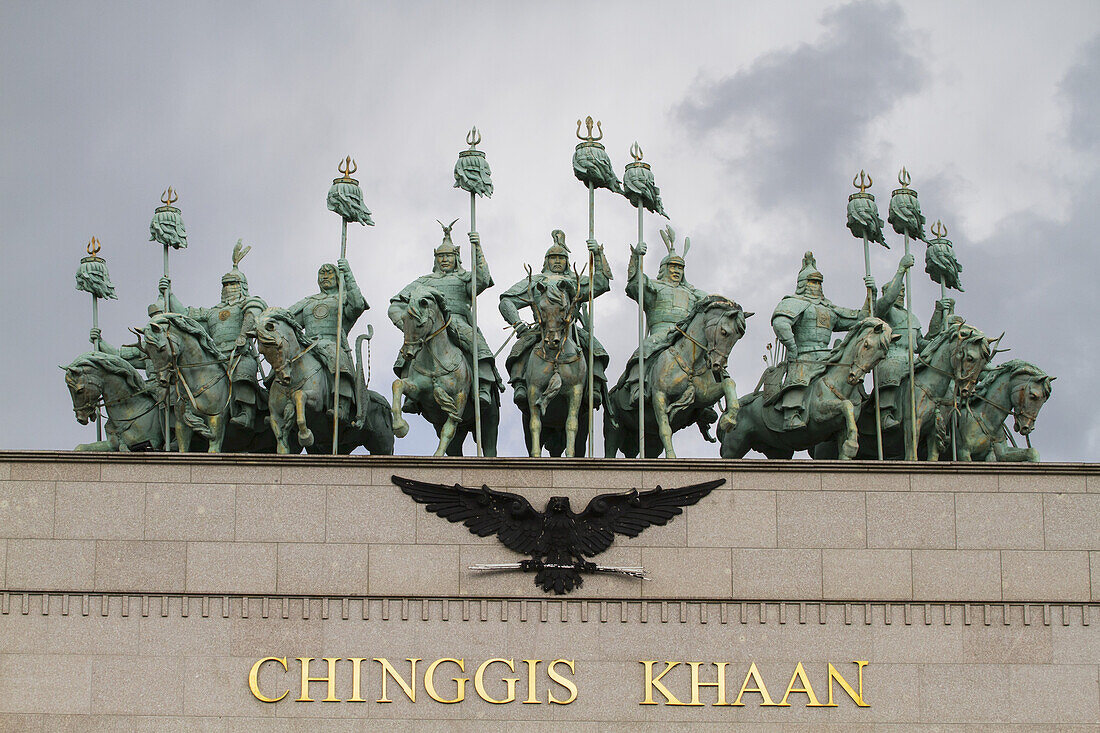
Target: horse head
{"type": "Point", "coordinates": [723, 326]}
{"type": "Point", "coordinates": [85, 390]}
{"type": "Point", "coordinates": [1030, 390]}
{"type": "Point", "coordinates": [170, 336]}
{"type": "Point", "coordinates": [867, 347]}
{"type": "Point", "coordinates": [554, 304]}
{"type": "Point", "coordinates": [970, 352]}
{"type": "Point", "coordinates": [425, 317]}
{"type": "Point", "coordinates": [280, 339]}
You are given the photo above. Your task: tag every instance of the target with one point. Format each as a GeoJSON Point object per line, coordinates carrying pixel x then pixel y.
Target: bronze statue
{"type": "Point", "coordinates": [1015, 388]}
{"type": "Point", "coordinates": [416, 367]}
{"type": "Point", "coordinates": [562, 292]}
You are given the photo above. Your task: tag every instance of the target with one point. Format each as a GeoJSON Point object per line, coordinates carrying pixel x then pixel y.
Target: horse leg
{"type": "Point", "coordinates": [281, 443]}
{"type": "Point", "coordinates": [664, 429]}
{"type": "Point", "coordinates": [850, 446]}
{"type": "Point", "coordinates": [572, 419]}
{"type": "Point", "coordinates": [400, 386]}
{"type": "Point", "coordinates": [305, 435]}
{"type": "Point", "coordinates": [490, 421]}
{"type": "Point", "coordinates": [216, 423]}
{"type": "Point", "coordinates": [446, 434]}
{"type": "Point", "coordinates": [535, 420]}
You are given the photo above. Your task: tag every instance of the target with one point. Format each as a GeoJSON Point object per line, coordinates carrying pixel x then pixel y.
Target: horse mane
{"type": "Point", "coordinates": [838, 350]}
{"type": "Point", "coordinates": [953, 330]}
{"type": "Point", "coordinates": [283, 316]}
{"type": "Point", "coordinates": [715, 301]}
{"type": "Point", "coordinates": [560, 292]}
{"type": "Point", "coordinates": [111, 364]}
{"type": "Point", "coordinates": [1011, 368]}
{"type": "Point", "coordinates": [191, 326]}
{"type": "Point", "coordinates": [421, 290]}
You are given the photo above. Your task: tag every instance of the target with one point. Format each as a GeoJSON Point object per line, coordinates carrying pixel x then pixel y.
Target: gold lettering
{"type": "Point", "coordinates": [479, 681]}
{"type": "Point", "coordinates": [800, 675]}
{"type": "Point", "coordinates": [254, 682]}
{"type": "Point", "coordinates": [563, 681]}
{"type": "Point", "coordinates": [754, 675]}
{"type": "Point", "coordinates": [720, 684]}
{"type": "Point", "coordinates": [429, 681]}
{"type": "Point", "coordinates": [532, 693]}
{"type": "Point", "coordinates": [330, 678]}
{"type": "Point", "coordinates": [858, 698]}
{"type": "Point", "coordinates": [387, 669]}
{"type": "Point", "coordinates": [654, 683]}
{"type": "Point", "coordinates": [356, 679]}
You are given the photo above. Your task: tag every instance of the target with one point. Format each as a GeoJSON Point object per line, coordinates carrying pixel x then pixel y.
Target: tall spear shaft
{"type": "Point", "coordinates": [874, 372]}
{"type": "Point", "coordinates": [167, 228]}
{"type": "Point", "coordinates": [641, 339]}
{"type": "Point", "coordinates": [591, 321]}
{"type": "Point", "coordinates": [339, 337]}
{"type": "Point", "coordinates": [473, 322]}
{"type": "Point", "coordinates": [95, 326]}
{"type": "Point", "coordinates": [911, 449]}
{"type": "Point", "coordinates": [92, 278]}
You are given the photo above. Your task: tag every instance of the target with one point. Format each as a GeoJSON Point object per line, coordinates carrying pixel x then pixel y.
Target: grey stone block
{"type": "Point", "coordinates": [778, 574]}
{"type": "Point", "coordinates": [177, 470]}
{"type": "Point", "coordinates": [178, 636]}
{"type": "Point", "coordinates": [206, 693]}
{"type": "Point", "coordinates": [92, 635]}
{"type": "Point", "coordinates": [42, 683]}
{"type": "Point", "coordinates": [1072, 521]}
{"type": "Point", "coordinates": [231, 567]}
{"type": "Point", "coordinates": [1042, 694]}
{"type": "Point", "coordinates": [51, 470]}
{"type": "Point", "coordinates": [999, 521]}
{"type": "Point", "coordinates": [693, 572]}
{"type": "Point", "coordinates": [1094, 566]}
{"type": "Point", "coordinates": [135, 685]}
{"type": "Point", "coordinates": [952, 481]}
{"type": "Point", "coordinates": [26, 509]}
{"type": "Point", "coordinates": [963, 693]}
{"type": "Point", "coordinates": [674, 479]}
{"type": "Point", "coordinates": [596, 479]}
{"type": "Point", "coordinates": [732, 519]}
{"type": "Point", "coordinates": [1043, 483]}
{"type": "Point", "coordinates": [879, 574]}
{"type": "Point", "coordinates": [998, 644]}
{"type": "Point", "coordinates": [956, 575]}
{"type": "Point", "coordinates": [373, 514]}
{"type": "Point", "coordinates": [5, 470]}
{"type": "Point", "coordinates": [140, 566]}
{"type": "Point", "coordinates": [413, 570]}
{"type": "Point", "coordinates": [51, 564]}
{"type": "Point", "coordinates": [275, 513]}
{"type": "Point", "coordinates": [507, 478]}
{"type": "Point", "coordinates": [189, 512]}
{"type": "Point", "coordinates": [105, 511]}
{"type": "Point", "coordinates": [774, 480]}
{"type": "Point", "coordinates": [1053, 576]}
{"type": "Point", "coordinates": [910, 520]}
{"type": "Point", "coordinates": [237, 473]}
{"type": "Point", "coordinates": [811, 519]}
{"type": "Point", "coordinates": [865, 481]}
{"type": "Point", "coordinates": [353, 472]}
{"type": "Point", "coordinates": [322, 569]}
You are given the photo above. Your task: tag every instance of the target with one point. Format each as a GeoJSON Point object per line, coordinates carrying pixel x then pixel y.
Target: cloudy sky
{"type": "Point", "coordinates": [754, 117]}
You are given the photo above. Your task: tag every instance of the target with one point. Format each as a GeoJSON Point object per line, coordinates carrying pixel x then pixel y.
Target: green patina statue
{"type": "Point", "coordinates": [804, 323]}
{"type": "Point", "coordinates": [574, 288]}
{"type": "Point", "coordinates": [414, 365]}
{"type": "Point", "coordinates": [317, 315]}
{"type": "Point", "coordinates": [230, 323]}
{"type": "Point", "coordinates": [1017, 388]}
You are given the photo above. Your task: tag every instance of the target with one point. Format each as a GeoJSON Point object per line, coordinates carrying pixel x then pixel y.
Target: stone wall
{"type": "Point", "coordinates": [144, 586]}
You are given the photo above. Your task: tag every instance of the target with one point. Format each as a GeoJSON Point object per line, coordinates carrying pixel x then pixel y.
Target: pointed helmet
{"type": "Point", "coordinates": [447, 247]}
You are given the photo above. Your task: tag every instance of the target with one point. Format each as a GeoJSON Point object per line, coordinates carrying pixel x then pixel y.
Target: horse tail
{"type": "Point", "coordinates": [197, 424]}
{"type": "Point", "coordinates": [553, 387]}
{"type": "Point", "coordinates": [446, 402]}
{"type": "Point", "coordinates": [360, 380]}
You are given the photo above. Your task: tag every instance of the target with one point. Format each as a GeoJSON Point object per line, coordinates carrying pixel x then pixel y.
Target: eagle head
{"type": "Point", "coordinates": [558, 505]}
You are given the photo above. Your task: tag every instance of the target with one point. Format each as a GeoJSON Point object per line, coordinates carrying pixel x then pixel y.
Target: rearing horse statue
{"type": "Point", "coordinates": [833, 396]}
{"type": "Point", "coordinates": [1017, 388]}
{"type": "Point", "coordinates": [682, 382]}
{"type": "Point", "coordinates": [135, 415]}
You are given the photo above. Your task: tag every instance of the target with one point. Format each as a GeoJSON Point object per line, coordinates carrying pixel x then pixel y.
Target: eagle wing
{"type": "Point", "coordinates": [484, 511]}
{"type": "Point", "coordinates": [630, 512]}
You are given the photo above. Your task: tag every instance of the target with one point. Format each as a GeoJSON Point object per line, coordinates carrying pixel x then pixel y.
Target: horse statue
{"type": "Point", "coordinates": [135, 413]}
{"type": "Point", "coordinates": [833, 401]}
{"type": "Point", "coordinates": [556, 372]}
{"type": "Point", "coordinates": [437, 377]}
{"type": "Point", "coordinates": [300, 393]}
{"type": "Point", "coordinates": [946, 373]}
{"type": "Point", "coordinates": [682, 381]}
{"type": "Point", "coordinates": [1016, 388]}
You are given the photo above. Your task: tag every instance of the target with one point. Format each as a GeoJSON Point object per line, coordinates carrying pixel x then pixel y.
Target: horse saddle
{"type": "Point", "coordinates": [771, 381]}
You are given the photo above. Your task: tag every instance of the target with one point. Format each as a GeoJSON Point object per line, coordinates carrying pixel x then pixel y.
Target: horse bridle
{"type": "Point", "coordinates": [176, 366]}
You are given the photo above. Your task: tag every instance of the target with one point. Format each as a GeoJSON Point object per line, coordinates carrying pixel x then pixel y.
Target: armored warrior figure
{"type": "Point", "coordinates": [229, 323]}
{"type": "Point", "coordinates": [453, 281]}
{"type": "Point", "coordinates": [895, 367]}
{"type": "Point", "coordinates": [316, 314]}
{"type": "Point", "coordinates": [804, 323]}
{"type": "Point", "coordinates": [555, 267]}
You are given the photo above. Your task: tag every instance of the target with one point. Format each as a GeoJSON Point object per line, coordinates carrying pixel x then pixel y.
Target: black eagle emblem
{"type": "Point", "coordinates": [557, 540]}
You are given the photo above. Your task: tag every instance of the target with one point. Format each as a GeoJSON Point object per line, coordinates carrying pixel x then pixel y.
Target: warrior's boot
{"type": "Point", "coordinates": [246, 415]}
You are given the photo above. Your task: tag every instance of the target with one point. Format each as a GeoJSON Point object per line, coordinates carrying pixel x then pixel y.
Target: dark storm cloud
{"type": "Point", "coordinates": [795, 113]}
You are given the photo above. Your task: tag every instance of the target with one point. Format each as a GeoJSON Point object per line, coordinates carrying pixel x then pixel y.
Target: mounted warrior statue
{"type": "Point", "coordinates": [804, 323]}
{"type": "Point", "coordinates": [555, 272]}
{"type": "Point", "coordinates": [317, 315]}
{"type": "Point", "coordinates": [667, 301]}
{"type": "Point", "coordinates": [894, 369]}
{"type": "Point", "coordinates": [450, 279]}
{"type": "Point", "coordinates": [230, 324]}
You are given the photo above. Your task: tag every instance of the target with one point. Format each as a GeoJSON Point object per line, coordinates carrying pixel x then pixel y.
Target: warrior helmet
{"type": "Point", "coordinates": [808, 272]}
{"type": "Point", "coordinates": [235, 275]}
{"type": "Point", "coordinates": [557, 248]}
{"type": "Point", "coordinates": [447, 247]}
{"type": "Point", "coordinates": [673, 257]}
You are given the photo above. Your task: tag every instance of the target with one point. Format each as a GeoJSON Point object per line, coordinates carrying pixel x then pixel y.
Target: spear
{"type": "Point", "coordinates": [167, 229]}
{"type": "Point", "coordinates": [92, 277]}
{"type": "Point", "coordinates": [942, 266]}
{"type": "Point", "coordinates": [906, 218]}
{"type": "Point", "coordinates": [642, 191]}
{"type": "Point", "coordinates": [346, 199]}
{"type": "Point", "coordinates": [472, 174]}
{"type": "Point", "coordinates": [592, 167]}
{"type": "Point", "coordinates": [864, 222]}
